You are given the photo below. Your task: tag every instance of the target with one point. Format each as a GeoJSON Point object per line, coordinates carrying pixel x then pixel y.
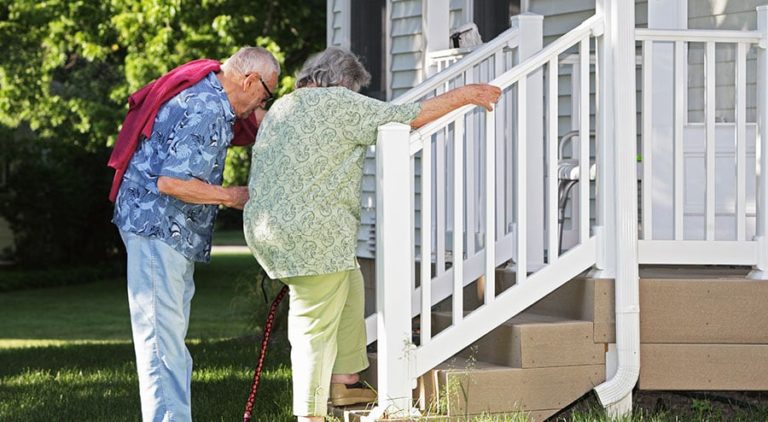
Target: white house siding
{"type": "Point", "coordinates": [721, 14]}
{"type": "Point", "coordinates": [407, 42]}
{"type": "Point", "coordinates": [338, 28]}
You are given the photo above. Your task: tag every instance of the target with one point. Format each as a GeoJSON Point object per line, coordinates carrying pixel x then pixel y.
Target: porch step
{"type": "Point", "coordinates": [532, 340]}
{"type": "Point", "coordinates": [463, 387]}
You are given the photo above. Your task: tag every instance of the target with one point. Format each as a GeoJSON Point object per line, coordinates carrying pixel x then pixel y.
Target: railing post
{"type": "Point", "coordinates": [531, 42]}
{"type": "Point", "coordinates": [605, 265]}
{"type": "Point", "coordinates": [393, 269]}
{"type": "Point", "coordinates": [761, 235]}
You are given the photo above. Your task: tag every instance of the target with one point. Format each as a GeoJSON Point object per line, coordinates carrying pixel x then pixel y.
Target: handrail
{"type": "Point", "coordinates": [506, 38]}
{"type": "Point", "coordinates": [515, 74]}
{"type": "Point", "coordinates": [699, 35]}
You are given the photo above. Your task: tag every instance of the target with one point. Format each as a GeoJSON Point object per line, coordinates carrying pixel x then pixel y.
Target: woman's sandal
{"type": "Point", "coordinates": [349, 394]}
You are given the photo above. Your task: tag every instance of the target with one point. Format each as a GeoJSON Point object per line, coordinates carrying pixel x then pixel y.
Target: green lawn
{"type": "Point", "coordinates": [66, 355]}
{"type": "Point", "coordinates": [229, 238]}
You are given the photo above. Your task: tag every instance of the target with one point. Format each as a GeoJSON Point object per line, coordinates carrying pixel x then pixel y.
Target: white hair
{"type": "Point", "coordinates": [334, 67]}
{"type": "Point", "coordinates": [251, 59]}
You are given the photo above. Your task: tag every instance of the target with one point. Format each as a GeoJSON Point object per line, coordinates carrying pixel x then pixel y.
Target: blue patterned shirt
{"type": "Point", "coordinates": [189, 140]}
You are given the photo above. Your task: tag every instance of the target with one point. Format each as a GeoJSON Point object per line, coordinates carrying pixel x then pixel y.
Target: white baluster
{"type": "Point", "coordinates": [680, 87]}
{"type": "Point", "coordinates": [426, 241]}
{"type": "Point", "coordinates": [584, 141]}
{"type": "Point", "coordinates": [552, 162]}
{"type": "Point", "coordinates": [490, 207]}
{"type": "Point", "coordinates": [709, 119]}
{"type": "Point", "coordinates": [647, 139]}
{"type": "Point", "coordinates": [741, 141]}
{"type": "Point", "coordinates": [458, 220]}
{"type": "Point", "coordinates": [521, 181]}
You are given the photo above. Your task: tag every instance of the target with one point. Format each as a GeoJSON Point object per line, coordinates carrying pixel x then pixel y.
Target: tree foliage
{"type": "Point", "coordinates": [69, 66]}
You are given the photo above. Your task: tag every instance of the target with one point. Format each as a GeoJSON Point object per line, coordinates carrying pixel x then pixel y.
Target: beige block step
{"type": "Point", "coordinates": [532, 340]}
{"type": "Point", "coordinates": [491, 389]}
{"type": "Point", "coordinates": [703, 310]}
{"type": "Point", "coordinates": [703, 367]}
{"type": "Point", "coordinates": [587, 299]}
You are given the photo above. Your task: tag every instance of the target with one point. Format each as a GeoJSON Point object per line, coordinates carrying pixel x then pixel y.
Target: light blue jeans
{"type": "Point", "coordinates": [160, 289]}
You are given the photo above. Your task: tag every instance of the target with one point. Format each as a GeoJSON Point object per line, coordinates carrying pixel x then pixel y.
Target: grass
{"type": "Point", "coordinates": [229, 238]}
{"type": "Point", "coordinates": [66, 354]}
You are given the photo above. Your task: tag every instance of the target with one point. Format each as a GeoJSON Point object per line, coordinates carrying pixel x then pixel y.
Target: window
{"type": "Point", "coordinates": [492, 16]}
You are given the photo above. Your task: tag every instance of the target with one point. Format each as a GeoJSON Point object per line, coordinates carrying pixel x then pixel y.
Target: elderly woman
{"type": "Point", "coordinates": [302, 219]}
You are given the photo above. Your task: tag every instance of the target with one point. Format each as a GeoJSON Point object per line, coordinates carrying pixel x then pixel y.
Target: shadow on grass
{"type": "Point", "coordinates": [97, 382]}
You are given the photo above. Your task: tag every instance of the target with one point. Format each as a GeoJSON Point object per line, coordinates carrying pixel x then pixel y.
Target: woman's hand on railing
{"type": "Point", "coordinates": [483, 95]}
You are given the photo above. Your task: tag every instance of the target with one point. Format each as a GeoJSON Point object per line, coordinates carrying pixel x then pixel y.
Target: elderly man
{"type": "Point", "coordinates": [302, 222]}
{"type": "Point", "coordinates": [166, 202]}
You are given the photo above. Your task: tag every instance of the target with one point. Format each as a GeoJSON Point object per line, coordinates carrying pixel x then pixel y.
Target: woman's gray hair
{"type": "Point", "coordinates": [251, 59]}
{"type": "Point", "coordinates": [334, 67]}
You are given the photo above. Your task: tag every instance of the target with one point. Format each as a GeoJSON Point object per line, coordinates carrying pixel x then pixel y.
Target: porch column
{"type": "Point", "coordinates": [760, 271]}
{"type": "Point", "coordinates": [436, 21]}
{"type": "Point", "coordinates": [617, 76]}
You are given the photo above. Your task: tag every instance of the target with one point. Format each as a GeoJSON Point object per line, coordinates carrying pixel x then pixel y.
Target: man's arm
{"type": "Point", "coordinates": [195, 191]}
{"type": "Point", "coordinates": [483, 95]}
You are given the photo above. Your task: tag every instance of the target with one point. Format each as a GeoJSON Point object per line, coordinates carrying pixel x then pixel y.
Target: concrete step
{"type": "Point", "coordinates": [532, 340]}
{"type": "Point", "coordinates": [704, 367]}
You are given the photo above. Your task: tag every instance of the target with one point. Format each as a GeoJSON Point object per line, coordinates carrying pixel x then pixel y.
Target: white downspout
{"type": "Point", "coordinates": [618, 43]}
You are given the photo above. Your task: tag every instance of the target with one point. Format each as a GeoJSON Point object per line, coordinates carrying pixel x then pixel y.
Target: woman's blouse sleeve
{"type": "Point", "coordinates": [363, 115]}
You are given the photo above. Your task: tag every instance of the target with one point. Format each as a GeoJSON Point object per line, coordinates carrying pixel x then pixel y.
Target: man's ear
{"type": "Point", "coordinates": [249, 80]}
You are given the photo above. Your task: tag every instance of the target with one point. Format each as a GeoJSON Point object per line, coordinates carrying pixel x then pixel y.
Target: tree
{"type": "Point", "coordinates": [69, 66]}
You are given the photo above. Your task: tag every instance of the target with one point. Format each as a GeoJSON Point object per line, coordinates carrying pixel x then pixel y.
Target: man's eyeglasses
{"type": "Point", "coordinates": [269, 93]}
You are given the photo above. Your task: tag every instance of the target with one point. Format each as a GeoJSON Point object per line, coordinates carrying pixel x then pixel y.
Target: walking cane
{"type": "Point", "coordinates": [264, 342]}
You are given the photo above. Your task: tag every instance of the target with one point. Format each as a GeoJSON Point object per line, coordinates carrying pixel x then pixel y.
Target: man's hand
{"type": "Point", "coordinates": [238, 197]}
{"type": "Point", "coordinates": [195, 191]}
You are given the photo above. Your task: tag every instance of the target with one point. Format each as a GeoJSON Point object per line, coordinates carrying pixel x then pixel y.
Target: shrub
{"type": "Point", "coordinates": [56, 204]}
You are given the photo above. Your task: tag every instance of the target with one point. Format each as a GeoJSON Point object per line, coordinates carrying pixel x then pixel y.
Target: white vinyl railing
{"type": "Point", "coordinates": [483, 64]}
{"type": "Point", "coordinates": [458, 67]}
{"type": "Point", "coordinates": [400, 361]}
{"type": "Point", "coordinates": [703, 177]}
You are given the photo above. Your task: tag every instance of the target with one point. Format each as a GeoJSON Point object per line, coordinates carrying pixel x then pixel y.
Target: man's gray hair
{"type": "Point", "coordinates": [251, 59]}
{"type": "Point", "coordinates": [334, 67]}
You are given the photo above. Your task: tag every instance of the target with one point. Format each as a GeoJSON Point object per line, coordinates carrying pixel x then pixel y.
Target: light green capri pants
{"type": "Point", "coordinates": [326, 328]}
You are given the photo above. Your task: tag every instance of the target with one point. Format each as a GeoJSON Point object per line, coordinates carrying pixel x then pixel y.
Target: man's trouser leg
{"type": "Point", "coordinates": [160, 289]}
